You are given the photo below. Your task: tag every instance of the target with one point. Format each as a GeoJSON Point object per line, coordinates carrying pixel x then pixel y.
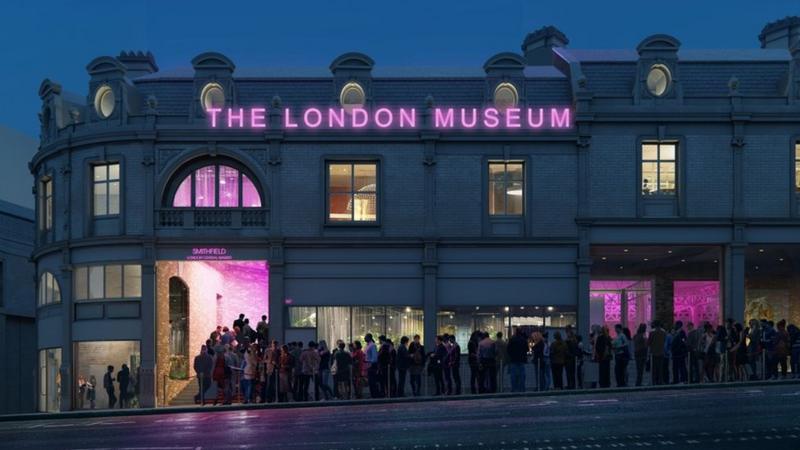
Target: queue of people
{"type": "Point", "coordinates": [243, 365]}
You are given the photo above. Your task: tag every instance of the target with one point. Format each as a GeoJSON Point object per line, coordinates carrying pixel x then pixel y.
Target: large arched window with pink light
{"type": "Point", "coordinates": [215, 186]}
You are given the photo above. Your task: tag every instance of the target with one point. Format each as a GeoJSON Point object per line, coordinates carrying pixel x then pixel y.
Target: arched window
{"type": "Point", "coordinates": [49, 291]}
{"type": "Point", "coordinates": [222, 185]}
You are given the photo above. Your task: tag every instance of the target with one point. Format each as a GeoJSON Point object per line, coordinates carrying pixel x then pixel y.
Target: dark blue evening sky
{"type": "Point", "coordinates": [56, 39]}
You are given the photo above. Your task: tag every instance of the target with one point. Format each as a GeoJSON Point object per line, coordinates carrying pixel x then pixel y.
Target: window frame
{"type": "Point", "coordinates": [658, 192]}
{"type": "Point", "coordinates": [45, 290]}
{"type": "Point", "coordinates": [45, 203]}
{"type": "Point", "coordinates": [796, 173]}
{"type": "Point", "coordinates": [85, 271]}
{"type": "Point", "coordinates": [107, 182]}
{"type": "Point", "coordinates": [352, 161]}
{"type": "Point", "coordinates": [506, 182]}
{"type": "Point", "coordinates": [189, 172]}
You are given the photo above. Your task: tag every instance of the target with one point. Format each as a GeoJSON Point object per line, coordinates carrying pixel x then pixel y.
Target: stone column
{"type": "Point", "coordinates": [147, 345]}
{"type": "Point", "coordinates": [65, 284]}
{"type": "Point", "coordinates": [733, 281]}
{"type": "Point", "coordinates": [429, 309]}
{"type": "Point", "coordinates": [277, 320]}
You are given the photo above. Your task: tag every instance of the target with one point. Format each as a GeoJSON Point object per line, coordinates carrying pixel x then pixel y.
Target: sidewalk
{"type": "Point", "coordinates": [313, 404]}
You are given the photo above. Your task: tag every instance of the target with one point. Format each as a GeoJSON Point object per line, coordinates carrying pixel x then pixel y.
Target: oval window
{"type": "Point", "coordinates": [505, 96]}
{"type": "Point", "coordinates": [658, 80]}
{"type": "Point", "coordinates": [212, 96]}
{"type": "Point", "coordinates": [352, 96]}
{"type": "Point", "coordinates": [104, 101]}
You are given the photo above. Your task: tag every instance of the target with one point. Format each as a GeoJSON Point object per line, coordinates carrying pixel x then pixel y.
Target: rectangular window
{"type": "Point", "coordinates": [45, 194]}
{"type": "Point", "coordinates": [352, 192]}
{"type": "Point", "coordinates": [105, 189]}
{"type": "Point", "coordinates": [112, 281]}
{"type": "Point", "coordinates": [659, 168]}
{"type": "Point", "coordinates": [797, 167]}
{"type": "Point", "coordinates": [49, 380]}
{"type": "Point", "coordinates": [349, 323]}
{"type": "Point", "coordinates": [506, 188]}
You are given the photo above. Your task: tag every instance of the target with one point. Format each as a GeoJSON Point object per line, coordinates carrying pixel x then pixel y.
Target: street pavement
{"type": "Point", "coordinates": [729, 418]}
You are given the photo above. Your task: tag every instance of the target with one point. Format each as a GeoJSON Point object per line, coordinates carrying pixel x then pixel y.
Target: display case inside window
{"type": "Point", "coordinates": [333, 323]}
{"type": "Point", "coordinates": [403, 321]}
{"type": "Point", "coordinates": [303, 317]}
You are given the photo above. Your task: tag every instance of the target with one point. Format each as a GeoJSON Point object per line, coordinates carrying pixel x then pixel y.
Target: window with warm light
{"type": "Point", "coordinates": [45, 195]}
{"type": "Point", "coordinates": [506, 188]}
{"type": "Point", "coordinates": [797, 167]}
{"type": "Point", "coordinates": [352, 189]}
{"type": "Point", "coordinates": [111, 281]}
{"type": "Point", "coordinates": [216, 186]}
{"type": "Point", "coordinates": [659, 175]}
{"type": "Point", "coordinates": [105, 190]}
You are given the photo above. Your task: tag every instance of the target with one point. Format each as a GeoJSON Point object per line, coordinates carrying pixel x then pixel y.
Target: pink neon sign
{"type": "Point", "coordinates": [443, 118]}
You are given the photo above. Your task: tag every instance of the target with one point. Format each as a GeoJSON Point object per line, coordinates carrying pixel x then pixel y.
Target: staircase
{"type": "Point", "coordinates": [186, 396]}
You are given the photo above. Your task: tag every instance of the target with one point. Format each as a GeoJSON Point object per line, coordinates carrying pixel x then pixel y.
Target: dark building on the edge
{"type": "Point", "coordinates": [671, 193]}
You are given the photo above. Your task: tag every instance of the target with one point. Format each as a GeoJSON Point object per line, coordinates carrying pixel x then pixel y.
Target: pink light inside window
{"type": "Point", "coordinates": [183, 196]}
{"type": "Point", "coordinates": [250, 196]}
{"type": "Point", "coordinates": [228, 187]}
{"type": "Point", "coordinates": [205, 187]}
{"type": "Point", "coordinates": [697, 302]}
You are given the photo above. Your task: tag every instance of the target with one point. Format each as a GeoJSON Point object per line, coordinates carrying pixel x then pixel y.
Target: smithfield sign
{"type": "Point", "coordinates": [462, 119]}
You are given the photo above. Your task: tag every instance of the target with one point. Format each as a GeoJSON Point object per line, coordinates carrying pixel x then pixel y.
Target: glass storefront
{"type": "Point", "coordinates": [350, 323]}
{"type": "Point", "coordinates": [462, 321]}
{"type": "Point", "coordinates": [49, 380]}
{"type": "Point", "coordinates": [93, 359]}
{"type": "Point", "coordinates": [772, 283]}
{"type": "Point", "coordinates": [637, 284]}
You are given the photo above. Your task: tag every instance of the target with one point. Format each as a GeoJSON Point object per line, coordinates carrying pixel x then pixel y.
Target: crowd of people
{"type": "Point", "coordinates": [242, 364]}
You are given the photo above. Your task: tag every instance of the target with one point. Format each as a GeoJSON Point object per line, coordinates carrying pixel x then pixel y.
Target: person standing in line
{"type": "Point", "coordinates": [286, 371]}
{"type": "Point", "coordinates": [124, 379]}
{"type": "Point", "coordinates": [603, 354]}
{"type": "Point", "coordinates": [392, 388]}
{"type": "Point", "coordinates": [108, 385]}
{"type": "Point", "coordinates": [501, 359]}
{"type": "Point", "coordinates": [794, 340]}
{"type": "Point", "coordinates": [371, 362]}
{"type": "Point", "coordinates": [417, 352]}
{"type": "Point", "coordinates": [309, 369]}
{"type": "Point", "coordinates": [358, 368]}
{"type": "Point", "coordinates": [262, 330]}
{"type": "Point", "coordinates": [591, 366]}
{"type": "Point", "coordinates": [384, 360]}
{"type": "Point", "coordinates": [437, 358]}
{"type": "Point", "coordinates": [573, 352]}
{"type": "Point", "coordinates": [708, 342]}
{"type": "Point", "coordinates": [782, 346]}
{"type": "Point", "coordinates": [693, 336]}
{"type": "Point", "coordinates": [322, 382]}
{"type": "Point", "coordinates": [403, 364]}
{"type": "Point", "coordinates": [656, 343]}
{"type": "Point", "coordinates": [621, 355]}
{"type": "Point", "coordinates": [455, 364]}
{"type": "Point", "coordinates": [344, 370]}
{"type": "Point", "coordinates": [679, 353]}
{"type": "Point", "coordinates": [640, 352]}
{"type": "Point", "coordinates": [472, 360]}
{"type": "Point", "coordinates": [91, 393]}
{"type": "Point", "coordinates": [447, 368]}
{"type": "Point", "coordinates": [517, 357]}
{"type": "Point", "coordinates": [249, 367]}
{"type": "Point", "coordinates": [558, 359]}
{"type": "Point", "coordinates": [538, 360]}
{"type": "Point", "coordinates": [239, 323]}
{"type": "Point", "coordinates": [487, 360]}
{"type": "Point", "coordinates": [203, 365]}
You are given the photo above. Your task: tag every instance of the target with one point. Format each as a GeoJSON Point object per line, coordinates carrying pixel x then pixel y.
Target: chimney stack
{"type": "Point", "coordinates": [783, 33]}
{"type": "Point", "coordinates": [138, 63]}
{"type": "Point", "coordinates": [538, 45]}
